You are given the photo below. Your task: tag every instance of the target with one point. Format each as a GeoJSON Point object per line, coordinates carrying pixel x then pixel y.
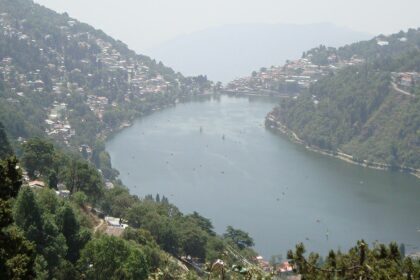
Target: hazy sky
{"type": "Point", "coordinates": [143, 24]}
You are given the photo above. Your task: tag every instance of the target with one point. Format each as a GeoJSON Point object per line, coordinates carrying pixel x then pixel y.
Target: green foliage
{"type": "Point", "coordinates": [10, 178]}
{"type": "Point", "coordinates": [69, 226]}
{"type": "Point", "coordinates": [82, 176]}
{"type": "Point", "coordinates": [39, 228]}
{"type": "Point", "coordinates": [359, 114]}
{"type": "Point", "coordinates": [53, 226]}
{"type": "Point", "coordinates": [79, 198]}
{"type": "Point", "coordinates": [193, 241]}
{"type": "Point", "coordinates": [53, 180]}
{"type": "Point", "coordinates": [38, 155]}
{"type": "Point", "coordinates": [16, 252]}
{"type": "Point", "coordinates": [204, 223]}
{"type": "Point", "coordinates": [357, 111]}
{"type": "Point", "coordinates": [238, 237]}
{"type": "Point", "coordinates": [113, 258]}
{"type": "Point", "coordinates": [345, 103]}
{"type": "Point", "coordinates": [148, 244]}
{"type": "Point", "coordinates": [361, 262]}
{"type": "Point", "coordinates": [5, 148]}
{"type": "Point", "coordinates": [117, 201]}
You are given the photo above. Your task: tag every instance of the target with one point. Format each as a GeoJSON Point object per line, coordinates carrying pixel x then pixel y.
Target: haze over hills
{"type": "Point", "coordinates": [227, 52]}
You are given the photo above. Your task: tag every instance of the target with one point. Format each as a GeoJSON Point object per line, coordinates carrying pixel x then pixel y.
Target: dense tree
{"type": "Point", "coordinates": [38, 155]}
{"type": "Point", "coordinates": [204, 223]}
{"type": "Point", "coordinates": [5, 148]}
{"type": "Point", "coordinates": [193, 241]}
{"type": "Point", "coordinates": [82, 176]}
{"type": "Point", "coordinates": [238, 237]}
{"type": "Point", "coordinates": [53, 180]}
{"type": "Point", "coordinates": [40, 228]}
{"type": "Point", "coordinates": [69, 226]}
{"type": "Point", "coordinates": [361, 262]}
{"type": "Point", "coordinates": [16, 252]}
{"type": "Point", "coordinates": [147, 243]}
{"type": "Point", "coordinates": [113, 258]}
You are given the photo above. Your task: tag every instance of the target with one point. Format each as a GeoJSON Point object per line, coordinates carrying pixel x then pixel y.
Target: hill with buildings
{"type": "Point", "coordinates": [67, 80]}
{"type": "Point", "coordinates": [359, 102]}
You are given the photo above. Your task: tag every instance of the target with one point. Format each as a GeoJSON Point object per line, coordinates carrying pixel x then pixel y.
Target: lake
{"type": "Point", "coordinates": [215, 156]}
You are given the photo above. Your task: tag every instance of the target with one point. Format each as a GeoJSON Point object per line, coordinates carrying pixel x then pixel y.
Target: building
{"type": "Point", "coordinates": [36, 184]}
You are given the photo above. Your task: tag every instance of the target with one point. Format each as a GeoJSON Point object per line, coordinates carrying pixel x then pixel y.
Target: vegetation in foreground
{"type": "Point", "coordinates": [45, 236]}
{"type": "Point", "coordinates": [361, 262]}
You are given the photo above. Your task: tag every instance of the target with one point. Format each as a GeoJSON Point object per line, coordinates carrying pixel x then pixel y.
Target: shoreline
{"type": "Point", "coordinates": [111, 132]}
{"type": "Point", "coordinates": [255, 94]}
{"type": "Point", "coordinates": [272, 123]}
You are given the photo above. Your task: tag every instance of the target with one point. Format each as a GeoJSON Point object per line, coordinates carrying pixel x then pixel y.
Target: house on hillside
{"type": "Point", "coordinates": [115, 222]}
{"type": "Point", "coordinates": [63, 193]}
{"type": "Point", "coordinates": [36, 184]}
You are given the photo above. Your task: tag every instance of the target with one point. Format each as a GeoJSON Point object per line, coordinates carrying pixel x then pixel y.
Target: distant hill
{"type": "Point", "coordinates": [231, 51]}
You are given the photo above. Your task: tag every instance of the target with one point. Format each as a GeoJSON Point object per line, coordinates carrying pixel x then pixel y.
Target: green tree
{"type": "Point", "coordinates": [193, 241]}
{"type": "Point", "coordinates": [113, 258]}
{"type": "Point", "coordinates": [238, 237]}
{"type": "Point", "coordinates": [361, 262]}
{"type": "Point", "coordinates": [204, 223]}
{"type": "Point", "coordinates": [80, 199]}
{"type": "Point", "coordinates": [17, 254]}
{"type": "Point", "coordinates": [148, 244]}
{"type": "Point", "coordinates": [53, 180]}
{"type": "Point", "coordinates": [5, 148]}
{"type": "Point", "coordinates": [81, 176]}
{"type": "Point", "coordinates": [69, 226]}
{"type": "Point", "coordinates": [40, 228]}
{"type": "Point", "coordinates": [38, 155]}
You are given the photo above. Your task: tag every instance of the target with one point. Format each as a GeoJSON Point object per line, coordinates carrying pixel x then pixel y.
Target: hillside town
{"type": "Point", "coordinates": [289, 79]}
{"type": "Point", "coordinates": [406, 81]}
{"type": "Point", "coordinates": [86, 65]}
{"type": "Point", "coordinates": [296, 76]}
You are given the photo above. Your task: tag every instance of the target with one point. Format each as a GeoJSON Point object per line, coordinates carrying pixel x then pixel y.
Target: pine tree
{"type": "Point", "coordinates": [17, 254]}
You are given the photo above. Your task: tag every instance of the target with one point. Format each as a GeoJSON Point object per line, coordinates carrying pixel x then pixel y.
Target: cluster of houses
{"type": "Point", "coordinates": [98, 105]}
{"type": "Point", "coordinates": [282, 269]}
{"type": "Point", "coordinates": [63, 79]}
{"type": "Point", "coordinates": [406, 80]}
{"type": "Point", "coordinates": [20, 84]}
{"type": "Point", "coordinates": [140, 77]}
{"type": "Point", "coordinates": [290, 78]}
{"type": "Point", "coordinates": [58, 124]}
{"type": "Point", "coordinates": [38, 184]}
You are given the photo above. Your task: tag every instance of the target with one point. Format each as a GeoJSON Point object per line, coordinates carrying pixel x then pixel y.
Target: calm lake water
{"type": "Point", "coordinates": [237, 173]}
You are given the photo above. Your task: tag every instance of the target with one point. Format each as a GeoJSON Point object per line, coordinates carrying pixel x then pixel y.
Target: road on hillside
{"type": "Point", "coordinates": [394, 86]}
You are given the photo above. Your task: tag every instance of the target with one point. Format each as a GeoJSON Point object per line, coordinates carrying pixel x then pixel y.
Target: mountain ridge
{"type": "Point", "coordinates": [229, 51]}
